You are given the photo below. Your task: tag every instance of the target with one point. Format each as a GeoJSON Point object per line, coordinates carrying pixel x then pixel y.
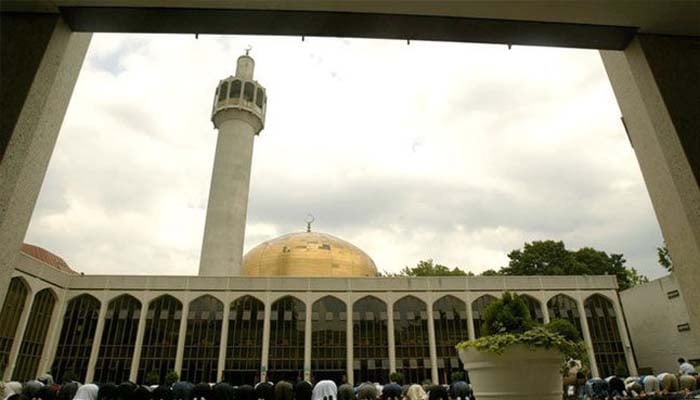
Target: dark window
{"type": "Point", "coordinates": [159, 346]}
{"type": "Point", "coordinates": [287, 338]}
{"type": "Point", "coordinates": [451, 327]}
{"type": "Point", "coordinates": [9, 318]}
{"type": "Point", "coordinates": [535, 308]}
{"type": "Point", "coordinates": [602, 324]}
{"type": "Point", "coordinates": [564, 307]}
{"type": "Point", "coordinates": [244, 343]}
{"type": "Point", "coordinates": [370, 340]}
{"type": "Point", "coordinates": [328, 340]}
{"type": "Point", "coordinates": [683, 327]}
{"type": "Point", "coordinates": [77, 334]}
{"type": "Point", "coordinates": [411, 339]}
{"type": "Point", "coordinates": [223, 90]}
{"type": "Point", "coordinates": [34, 336]}
{"type": "Point", "coordinates": [259, 96]}
{"type": "Point", "coordinates": [248, 91]}
{"type": "Point", "coordinates": [478, 307]}
{"type": "Point", "coordinates": [202, 340]}
{"type": "Point", "coordinates": [235, 89]}
{"type": "Point", "coordinates": [673, 294]}
{"type": "Point", "coordinates": [118, 340]}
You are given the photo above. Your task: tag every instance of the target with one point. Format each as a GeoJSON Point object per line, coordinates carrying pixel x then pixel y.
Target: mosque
{"type": "Point", "coordinates": [304, 305]}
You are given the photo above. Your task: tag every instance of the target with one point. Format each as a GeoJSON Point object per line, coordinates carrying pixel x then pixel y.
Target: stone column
{"type": "Point", "coordinates": [390, 336]}
{"type": "Point", "coordinates": [587, 336]}
{"type": "Point", "coordinates": [470, 318]}
{"type": "Point", "coordinates": [656, 81]}
{"type": "Point", "coordinates": [54, 334]}
{"type": "Point", "coordinates": [624, 335]}
{"type": "Point", "coordinates": [431, 340]}
{"type": "Point", "coordinates": [134, 372]}
{"type": "Point", "coordinates": [40, 63]}
{"type": "Point", "coordinates": [96, 341]}
{"type": "Point", "coordinates": [545, 309]}
{"type": "Point", "coordinates": [19, 335]}
{"type": "Point", "coordinates": [349, 340]}
{"type": "Point", "coordinates": [182, 335]}
{"type": "Point", "coordinates": [224, 342]}
{"type": "Point", "coordinates": [307, 344]}
{"type": "Point", "coordinates": [264, 359]}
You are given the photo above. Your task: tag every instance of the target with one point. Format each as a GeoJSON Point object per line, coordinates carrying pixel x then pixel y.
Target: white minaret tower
{"type": "Point", "coordinates": [239, 114]}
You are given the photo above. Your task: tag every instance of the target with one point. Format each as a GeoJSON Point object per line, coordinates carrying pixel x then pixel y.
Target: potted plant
{"type": "Point", "coordinates": [517, 358]}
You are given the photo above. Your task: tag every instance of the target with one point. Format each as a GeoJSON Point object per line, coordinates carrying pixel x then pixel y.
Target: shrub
{"type": "Point", "coordinates": [171, 377]}
{"type": "Point", "coordinates": [396, 377]}
{"type": "Point", "coordinates": [509, 314]}
{"type": "Point", "coordinates": [152, 378]}
{"type": "Point", "coordinates": [564, 328]}
{"type": "Point", "coordinates": [621, 369]}
{"type": "Point", "coordinates": [457, 376]}
{"type": "Point", "coordinates": [69, 376]}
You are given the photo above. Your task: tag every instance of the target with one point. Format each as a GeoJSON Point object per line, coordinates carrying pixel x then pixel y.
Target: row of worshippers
{"type": "Point", "coordinates": [665, 385]}
{"type": "Point", "coordinates": [44, 389]}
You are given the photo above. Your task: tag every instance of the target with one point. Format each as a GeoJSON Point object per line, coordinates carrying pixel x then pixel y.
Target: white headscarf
{"type": "Point", "coordinates": [416, 392]}
{"type": "Point", "coordinates": [325, 390]}
{"type": "Point", "coordinates": [87, 392]}
{"type": "Point", "coordinates": [12, 388]}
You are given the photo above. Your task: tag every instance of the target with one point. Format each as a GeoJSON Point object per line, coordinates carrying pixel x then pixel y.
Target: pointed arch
{"type": "Point", "coordinates": [287, 327]}
{"type": "Point", "coordinates": [370, 340]}
{"type": "Point", "coordinates": [411, 339]}
{"type": "Point", "coordinates": [478, 307]}
{"type": "Point", "coordinates": [565, 307]}
{"type": "Point", "coordinates": [203, 338]}
{"type": "Point", "coordinates": [77, 335]}
{"type": "Point", "coordinates": [329, 338]}
{"type": "Point", "coordinates": [118, 339]}
{"type": "Point", "coordinates": [10, 315]}
{"type": "Point", "coordinates": [159, 347]}
{"type": "Point", "coordinates": [451, 327]}
{"type": "Point", "coordinates": [605, 335]}
{"type": "Point", "coordinates": [534, 306]}
{"type": "Point", "coordinates": [35, 335]}
{"type": "Point", "coordinates": [244, 342]}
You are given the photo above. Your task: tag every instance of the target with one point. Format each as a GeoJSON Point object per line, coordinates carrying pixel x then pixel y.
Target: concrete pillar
{"type": "Point", "coordinates": [587, 336]}
{"type": "Point", "coordinates": [624, 335]}
{"type": "Point", "coordinates": [223, 342]}
{"type": "Point", "coordinates": [40, 62]}
{"type": "Point", "coordinates": [96, 342]}
{"type": "Point", "coordinates": [140, 332]}
{"type": "Point", "coordinates": [656, 81]}
{"type": "Point", "coordinates": [54, 334]}
{"type": "Point", "coordinates": [431, 341]}
{"type": "Point", "coordinates": [545, 309]}
{"type": "Point", "coordinates": [349, 340]}
{"type": "Point", "coordinates": [307, 344]}
{"type": "Point", "coordinates": [470, 318]}
{"type": "Point", "coordinates": [179, 355]}
{"type": "Point", "coordinates": [19, 335]}
{"type": "Point", "coordinates": [390, 336]}
{"type": "Point", "coordinates": [264, 359]}
{"type": "Point", "coordinates": [238, 121]}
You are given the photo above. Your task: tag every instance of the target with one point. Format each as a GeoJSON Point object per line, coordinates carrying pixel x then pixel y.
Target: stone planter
{"type": "Point", "coordinates": [519, 373]}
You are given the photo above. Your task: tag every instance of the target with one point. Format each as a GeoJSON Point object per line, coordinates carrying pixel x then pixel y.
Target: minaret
{"type": "Point", "coordinates": [239, 114]}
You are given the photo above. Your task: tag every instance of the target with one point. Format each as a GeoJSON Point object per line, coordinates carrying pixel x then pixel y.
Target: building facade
{"type": "Point", "coordinates": [243, 329]}
{"type": "Point", "coordinates": [656, 314]}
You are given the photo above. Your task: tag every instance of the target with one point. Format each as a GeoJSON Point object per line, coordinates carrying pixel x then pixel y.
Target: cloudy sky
{"type": "Point", "coordinates": [456, 152]}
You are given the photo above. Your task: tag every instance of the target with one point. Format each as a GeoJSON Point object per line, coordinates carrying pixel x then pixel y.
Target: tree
{"type": "Point", "coordinates": [429, 268]}
{"type": "Point", "coordinates": [491, 272]}
{"type": "Point", "coordinates": [509, 314]}
{"type": "Point", "coordinates": [665, 258]}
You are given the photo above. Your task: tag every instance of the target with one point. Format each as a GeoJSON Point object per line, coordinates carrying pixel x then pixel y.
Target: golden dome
{"type": "Point", "coordinates": [307, 254]}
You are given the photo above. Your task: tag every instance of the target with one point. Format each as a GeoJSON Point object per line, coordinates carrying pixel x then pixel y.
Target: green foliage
{"type": "Point", "coordinates": [457, 376]}
{"type": "Point", "coordinates": [564, 328]}
{"type": "Point", "coordinates": [152, 378]}
{"type": "Point", "coordinates": [621, 369]}
{"type": "Point", "coordinates": [69, 376]}
{"type": "Point", "coordinates": [491, 272]}
{"type": "Point", "coordinates": [509, 314]}
{"type": "Point", "coordinates": [665, 258]}
{"type": "Point", "coordinates": [171, 377]}
{"type": "Point", "coordinates": [551, 257]}
{"type": "Point", "coordinates": [396, 377]}
{"type": "Point", "coordinates": [429, 268]}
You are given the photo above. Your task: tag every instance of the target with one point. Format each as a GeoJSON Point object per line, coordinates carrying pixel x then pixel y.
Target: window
{"type": "Point", "coordinates": [534, 306]}
{"type": "Point", "coordinates": [411, 339]}
{"type": "Point", "coordinates": [450, 328]}
{"type": "Point", "coordinates": [202, 341]}
{"type": "Point", "coordinates": [605, 336]}
{"type": "Point", "coordinates": [235, 89]}
{"type": "Point", "coordinates": [9, 318]}
{"type": "Point", "coordinates": [478, 307]}
{"type": "Point", "coordinates": [259, 96]}
{"type": "Point", "coordinates": [159, 347]}
{"type": "Point", "coordinates": [286, 359]}
{"type": "Point", "coordinates": [248, 91]}
{"type": "Point", "coordinates": [564, 307]}
{"type": "Point", "coordinates": [223, 90]}
{"type": "Point", "coordinates": [370, 340]}
{"type": "Point", "coordinates": [77, 334]}
{"type": "Point", "coordinates": [244, 342]}
{"type": "Point", "coordinates": [118, 340]}
{"type": "Point", "coordinates": [34, 336]}
{"type": "Point", "coordinates": [683, 327]}
{"type": "Point", "coordinates": [673, 294]}
{"type": "Point", "coordinates": [328, 340]}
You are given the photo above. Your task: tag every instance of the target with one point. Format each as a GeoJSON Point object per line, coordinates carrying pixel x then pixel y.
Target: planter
{"type": "Point", "coordinates": [519, 373]}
